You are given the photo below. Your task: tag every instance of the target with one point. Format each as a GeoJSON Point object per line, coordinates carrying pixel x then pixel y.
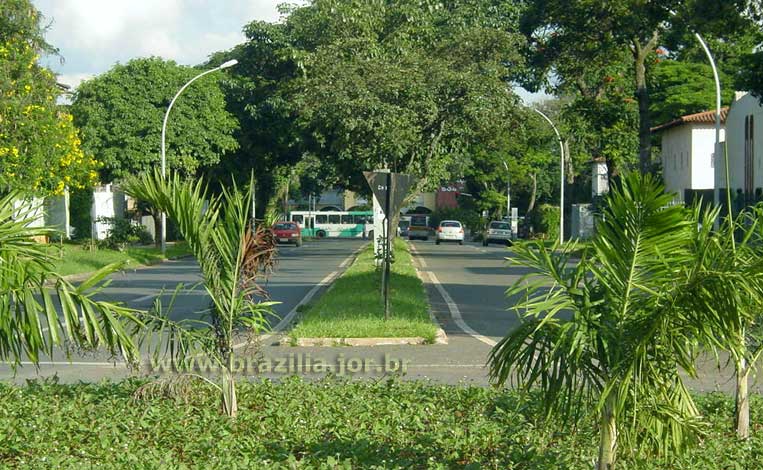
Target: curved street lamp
{"type": "Point", "coordinates": [224, 65]}
{"type": "Point", "coordinates": [561, 174]}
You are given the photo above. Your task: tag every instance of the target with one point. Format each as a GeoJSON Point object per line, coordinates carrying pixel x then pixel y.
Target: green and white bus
{"type": "Point", "coordinates": [335, 224]}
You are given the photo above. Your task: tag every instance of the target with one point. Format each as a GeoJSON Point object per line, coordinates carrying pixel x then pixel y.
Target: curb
{"type": "Point", "coordinates": [440, 337]}
{"type": "Point", "coordinates": [307, 342]}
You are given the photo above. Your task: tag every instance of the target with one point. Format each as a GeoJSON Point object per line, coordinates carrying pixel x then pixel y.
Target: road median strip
{"type": "Point", "coordinates": [351, 312]}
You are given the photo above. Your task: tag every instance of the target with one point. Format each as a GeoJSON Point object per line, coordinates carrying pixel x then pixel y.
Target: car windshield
{"type": "Point", "coordinates": [500, 225]}
{"type": "Point", "coordinates": [403, 224]}
{"type": "Point", "coordinates": [419, 220]}
{"type": "Point", "coordinates": [285, 226]}
{"type": "Point", "coordinates": [450, 224]}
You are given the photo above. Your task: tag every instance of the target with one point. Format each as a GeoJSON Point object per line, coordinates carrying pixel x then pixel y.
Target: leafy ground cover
{"type": "Point", "coordinates": [352, 307]}
{"type": "Point", "coordinates": [324, 425]}
{"type": "Point", "coordinates": [76, 259]}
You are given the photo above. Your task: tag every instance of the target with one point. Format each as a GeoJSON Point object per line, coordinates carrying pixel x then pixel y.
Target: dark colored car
{"type": "Point", "coordinates": [419, 227]}
{"type": "Point", "coordinates": [288, 232]}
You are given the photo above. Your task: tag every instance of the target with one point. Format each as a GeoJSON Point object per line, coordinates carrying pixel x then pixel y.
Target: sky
{"type": "Point", "coordinates": [93, 35]}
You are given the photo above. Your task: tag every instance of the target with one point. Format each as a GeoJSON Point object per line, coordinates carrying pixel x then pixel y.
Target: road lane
{"type": "Point", "coordinates": [476, 279]}
{"type": "Point", "coordinates": [298, 271]}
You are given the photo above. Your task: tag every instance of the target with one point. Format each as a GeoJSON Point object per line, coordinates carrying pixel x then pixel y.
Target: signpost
{"type": "Point", "coordinates": [389, 190]}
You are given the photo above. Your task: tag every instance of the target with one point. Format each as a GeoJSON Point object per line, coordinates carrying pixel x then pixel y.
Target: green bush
{"type": "Point", "coordinates": [325, 425]}
{"type": "Point", "coordinates": [80, 205]}
{"type": "Point", "coordinates": [545, 221]}
{"type": "Point", "coordinates": [123, 232]}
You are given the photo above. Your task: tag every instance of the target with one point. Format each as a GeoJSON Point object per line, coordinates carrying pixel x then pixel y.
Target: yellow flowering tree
{"type": "Point", "coordinates": [40, 149]}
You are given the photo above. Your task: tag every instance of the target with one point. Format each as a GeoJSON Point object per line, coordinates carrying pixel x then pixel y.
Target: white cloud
{"type": "Point", "coordinates": [73, 79]}
{"type": "Point", "coordinates": [92, 35]}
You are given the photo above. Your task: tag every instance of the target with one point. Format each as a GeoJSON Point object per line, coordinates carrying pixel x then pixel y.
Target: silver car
{"type": "Point", "coordinates": [498, 232]}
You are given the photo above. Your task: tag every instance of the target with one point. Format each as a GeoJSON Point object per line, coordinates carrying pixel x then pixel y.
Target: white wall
{"type": "Point", "coordinates": [57, 213]}
{"type": "Point", "coordinates": [676, 155]}
{"type": "Point", "coordinates": [32, 208]}
{"type": "Point", "coordinates": [744, 106]}
{"type": "Point", "coordinates": [106, 204]}
{"type": "Point", "coordinates": [703, 148]}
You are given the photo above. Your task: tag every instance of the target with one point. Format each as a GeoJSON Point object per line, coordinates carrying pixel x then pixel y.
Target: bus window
{"type": "Point", "coordinates": [333, 218]}
{"type": "Point", "coordinates": [321, 219]}
{"type": "Point", "coordinates": [297, 218]}
{"type": "Point", "coordinates": [348, 219]}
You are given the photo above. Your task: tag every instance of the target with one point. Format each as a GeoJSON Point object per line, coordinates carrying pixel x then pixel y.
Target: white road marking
{"type": "Point", "coordinates": [456, 313]}
{"type": "Point", "coordinates": [74, 363]}
{"type": "Point", "coordinates": [418, 257]}
{"type": "Point", "coordinates": [410, 365]}
{"type": "Point", "coordinates": [145, 297]}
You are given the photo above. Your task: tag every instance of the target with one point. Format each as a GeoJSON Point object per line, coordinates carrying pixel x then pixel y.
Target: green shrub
{"type": "Point", "coordinates": [123, 232]}
{"type": "Point", "coordinates": [80, 205]}
{"type": "Point", "coordinates": [545, 220]}
{"type": "Point", "coordinates": [314, 425]}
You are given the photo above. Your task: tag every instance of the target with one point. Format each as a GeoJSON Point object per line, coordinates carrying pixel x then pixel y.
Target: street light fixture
{"type": "Point", "coordinates": [561, 174]}
{"type": "Point", "coordinates": [718, 120]}
{"type": "Point", "coordinates": [224, 65]}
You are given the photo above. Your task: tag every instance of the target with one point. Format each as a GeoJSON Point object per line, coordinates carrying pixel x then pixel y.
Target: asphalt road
{"type": "Point", "coordinates": [299, 271]}
{"type": "Point", "coordinates": [466, 287]}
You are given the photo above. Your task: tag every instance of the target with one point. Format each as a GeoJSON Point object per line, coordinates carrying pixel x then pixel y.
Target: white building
{"type": "Point", "coordinates": [688, 155]}
{"type": "Point", "coordinates": [744, 122]}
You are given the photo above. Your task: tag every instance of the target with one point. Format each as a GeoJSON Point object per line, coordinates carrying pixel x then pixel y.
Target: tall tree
{"type": "Point", "coordinates": [270, 143]}
{"type": "Point", "coordinates": [408, 85]}
{"type": "Point", "coordinates": [564, 32]}
{"type": "Point", "coordinates": [40, 149]}
{"type": "Point", "coordinates": [679, 88]}
{"type": "Point", "coordinates": [120, 114]}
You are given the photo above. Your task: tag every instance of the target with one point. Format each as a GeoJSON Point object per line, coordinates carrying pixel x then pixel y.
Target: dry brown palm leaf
{"type": "Point", "coordinates": [260, 257]}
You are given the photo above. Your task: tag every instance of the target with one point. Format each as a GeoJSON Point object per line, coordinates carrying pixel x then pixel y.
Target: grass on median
{"type": "Point", "coordinates": [328, 425]}
{"type": "Point", "coordinates": [76, 259]}
{"type": "Point", "coordinates": [353, 306]}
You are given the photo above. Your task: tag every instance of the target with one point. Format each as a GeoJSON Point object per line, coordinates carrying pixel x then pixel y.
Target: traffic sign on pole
{"type": "Point", "coordinates": [389, 189]}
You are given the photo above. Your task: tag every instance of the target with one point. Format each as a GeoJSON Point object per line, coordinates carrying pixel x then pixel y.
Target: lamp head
{"type": "Point", "coordinates": [230, 63]}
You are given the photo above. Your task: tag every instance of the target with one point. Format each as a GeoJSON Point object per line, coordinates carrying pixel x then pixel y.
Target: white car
{"type": "Point", "coordinates": [450, 231]}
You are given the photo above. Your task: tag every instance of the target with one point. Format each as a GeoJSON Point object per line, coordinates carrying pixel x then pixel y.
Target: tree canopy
{"type": "Point", "coordinates": [569, 37]}
{"type": "Point", "coordinates": [40, 149]}
{"type": "Point", "coordinates": [407, 85]}
{"type": "Point", "coordinates": [120, 115]}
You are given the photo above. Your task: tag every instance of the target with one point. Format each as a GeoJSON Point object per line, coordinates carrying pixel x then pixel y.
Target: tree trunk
{"type": "Point", "coordinates": [157, 229]}
{"type": "Point", "coordinates": [640, 53]}
{"type": "Point", "coordinates": [644, 134]}
{"type": "Point", "coordinates": [742, 407]}
{"type": "Point", "coordinates": [608, 436]}
{"type": "Point", "coordinates": [229, 402]}
{"type": "Point", "coordinates": [533, 193]}
{"type": "Point", "coordinates": [568, 163]}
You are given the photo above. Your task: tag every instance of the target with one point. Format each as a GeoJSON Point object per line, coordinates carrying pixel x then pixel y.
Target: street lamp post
{"type": "Point", "coordinates": [718, 122]}
{"type": "Point", "coordinates": [225, 65]}
{"type": "Point", "coordinates": [561, 176]}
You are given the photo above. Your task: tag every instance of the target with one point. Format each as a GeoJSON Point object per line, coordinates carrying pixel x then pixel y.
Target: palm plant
{"type": "Point", "coordinates": [39, 309]}
{"type": "Point", "coordinates": [231, 256]}
{"type": "Point", "coordinates": [732, 295]}
{"type": "Point", "coordinates": [614, 330]}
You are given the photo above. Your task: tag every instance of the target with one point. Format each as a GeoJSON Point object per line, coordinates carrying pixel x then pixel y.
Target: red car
{"type": "Point", "coordinates": [288, 232]}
